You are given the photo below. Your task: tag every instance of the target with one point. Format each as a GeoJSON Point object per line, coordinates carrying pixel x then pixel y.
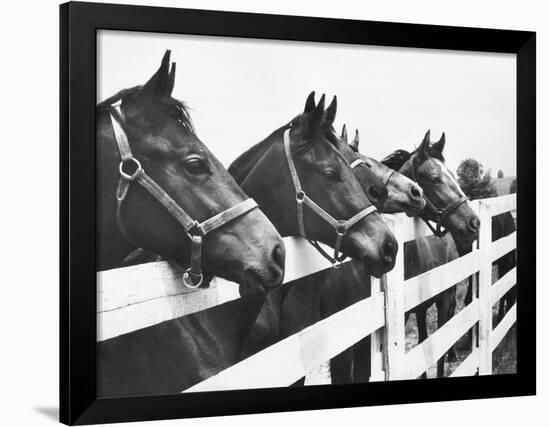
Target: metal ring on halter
{"type": "Point", "coordinates": [186, 279]}
{"type": "Point", "coordinates": [133, 176]}
{"type": "Point", "coordinates": [300, 196]}
{"type": "Point", "coordinates": [341, 230]}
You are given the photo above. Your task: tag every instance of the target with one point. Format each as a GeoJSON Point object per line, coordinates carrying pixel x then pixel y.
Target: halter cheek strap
{"type": "Point", "coordinates": [341, 227]}
{"type": "Point", "coordinates": [193, 276]}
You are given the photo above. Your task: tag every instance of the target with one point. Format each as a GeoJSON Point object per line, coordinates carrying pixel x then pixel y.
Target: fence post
{"type": "Point", "coordinates": [394, 298]}
{"type": "Point", "coordinates": [485, 282]}
{"type": "Point", "coordinates": [376, 342]}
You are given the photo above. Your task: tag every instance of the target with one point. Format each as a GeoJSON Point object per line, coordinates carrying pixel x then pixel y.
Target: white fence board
{"type": "Point", "coordinates": [469, 366]}
{"type": "Point", "coordinates": [377, 342]}
{"type": "Point", "coordinates": [485, 325]}
{"type": "Point", "coordinates": [290, 359]}
{"type": "Point", "coordinates": [137, 297]}
{"type": "Point", "coordinates": [144, 295]}
{"type": "Point", "coordinates": [503, 245]}
{"type": "Point", "coordinates": [501, 204]}
{"type": "Point", "coordinates": [503, 327]}
{"type": "Point", "coordinates": [426, 354]}
{"type": "Point", "coordinates": [431, 283]}
{"type": "Point", "coordinates": [503, 285]}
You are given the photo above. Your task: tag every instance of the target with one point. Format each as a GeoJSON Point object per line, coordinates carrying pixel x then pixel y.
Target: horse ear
{"type": "Point", "coordinates": [440, 145]}
{"type": "Point", "coordinates": [344, 134]}
{"type": "Point", "coordinates": [425, 142]}
{"type": "Point", "coordinates": [331, 111]}
{"type": "Point", "coordinates": [317, 116]}
{"type": "Point", "coordinates": [159, 84]}
{"type": "Point", "coordinates": [171, 81]}
{"type": "Point", "coordinates": [355, 143]}
{"type": "Point", "coordinates": [310, 103]}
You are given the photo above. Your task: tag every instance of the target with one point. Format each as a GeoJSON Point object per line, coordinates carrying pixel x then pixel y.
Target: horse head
{"type": "Point", "coordinates": [185, 183]}
{"type": "Point", "coordinates": [404, 195]}
{"type": "Point", "coordinates": [446, 203]}
{"type": "Point", "coordinates": [306, 187]}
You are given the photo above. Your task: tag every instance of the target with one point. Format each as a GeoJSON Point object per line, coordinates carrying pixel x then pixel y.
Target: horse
{"type": "Point", "coordinates": [304, 162]}
{"type": "Point", "coordinates": [160, 188]}
{"type": "Point", "coordinates": [446, 206]}
{"type": "Point", "coordinates": [324, 159]}
{"type": "Point", "coordinates": [319, 296]}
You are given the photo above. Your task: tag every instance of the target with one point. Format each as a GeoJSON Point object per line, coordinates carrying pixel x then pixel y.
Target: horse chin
{"type": "Point", "coordinates": [371, 270]}
{"type": "Point", "coordinates": [411, 212]}
{"type": "Point", "coordinates": [253, 284]}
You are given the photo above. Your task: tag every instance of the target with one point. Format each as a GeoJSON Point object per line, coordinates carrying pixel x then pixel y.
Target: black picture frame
{"type": "Point", "coordinates": [78, 25]}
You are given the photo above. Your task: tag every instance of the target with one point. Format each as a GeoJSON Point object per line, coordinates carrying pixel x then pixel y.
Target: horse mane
{"type": "Point", "coordinates": [397, 159]}
{"type": "Point", "coordinates": [175, 108]}
{"type": "Point", "coordinates": [242, 165]}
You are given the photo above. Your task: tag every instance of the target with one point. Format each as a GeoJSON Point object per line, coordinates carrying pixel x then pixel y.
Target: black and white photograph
{"type": "Point", "coordinates": [278, 213]}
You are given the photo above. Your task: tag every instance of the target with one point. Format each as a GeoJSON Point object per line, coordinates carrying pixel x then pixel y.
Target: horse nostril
{"type": "Point", "coordinates": [474, 223]}
{"type": "Point", "coordinates": [374, 194]}
{"type": "Point", "coordinates": [279, 255]}
{"type": "Point", "coordinates": [415, 192]}
{"type": "Point", "coordinates": [388, 249]}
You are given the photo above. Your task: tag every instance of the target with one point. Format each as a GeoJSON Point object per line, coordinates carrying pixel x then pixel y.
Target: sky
{"type": "Point", "coordinates": [240, 90]}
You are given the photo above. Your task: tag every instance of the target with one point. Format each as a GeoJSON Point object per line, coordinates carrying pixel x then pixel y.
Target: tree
{"type": "Point", "coordinates": [500, 174]}
{"type": "Point", "coordinates": [513, 186]}
{"type": "Point", "coordinates": [474, 181]}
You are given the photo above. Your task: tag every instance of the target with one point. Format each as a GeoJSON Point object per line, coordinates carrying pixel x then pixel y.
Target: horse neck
{"type": "Point", "coordinates": [113, 246]}
{"type": "Point", "coordinates": [268, 182]}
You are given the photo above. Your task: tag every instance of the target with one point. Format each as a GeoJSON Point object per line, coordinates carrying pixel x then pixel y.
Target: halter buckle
{"type": "Point", "coordinates": [133, 175]}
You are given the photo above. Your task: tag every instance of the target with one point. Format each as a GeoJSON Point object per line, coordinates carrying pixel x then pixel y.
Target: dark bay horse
{"type": "Point", "coordinates": [446, 206]}
{"type": "Point", "coordinates": [145, 129]}
{"type": "Point", "coordinates": [318, 296]}
{"type": "Point", "coordinates": [322, 169]}
{"type": "Point", "coordinates": [173, 355]}
{"type": "Point", "coordinates": [324, 159]}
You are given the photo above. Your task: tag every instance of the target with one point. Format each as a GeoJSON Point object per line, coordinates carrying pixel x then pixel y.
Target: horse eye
{"type": "Point", "coordinates": [331, 175]}
{"type": "Point", "coordinates": [196, 166]}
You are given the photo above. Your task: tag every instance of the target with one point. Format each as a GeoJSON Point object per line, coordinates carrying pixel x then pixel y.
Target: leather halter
{"type": "Point", "coordinates": [341, 227]}
{"type": "Point", "coordinates": [385, 179]}
{"type": "Point", "coordinates": [439, 214]}
{"type": "Point", "coordinates": [193, 276]}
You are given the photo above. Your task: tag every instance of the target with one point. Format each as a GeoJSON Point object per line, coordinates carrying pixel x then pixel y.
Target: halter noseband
{"type": "Point", "coordinates": [385, 179]}
{"type": "Point", "coordinates": [440, 214]}
{"type": "Point", "coordinates": [193, 276]}
{"type": "Point", "coordinates": [341, 227]}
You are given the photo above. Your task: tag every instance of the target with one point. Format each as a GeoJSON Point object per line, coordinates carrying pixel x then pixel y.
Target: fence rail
{"type": "Point", "coordinates": [133, 298]}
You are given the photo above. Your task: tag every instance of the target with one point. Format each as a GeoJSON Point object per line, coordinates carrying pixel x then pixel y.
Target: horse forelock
{"type": "Point", "coordinates": [172, 107]}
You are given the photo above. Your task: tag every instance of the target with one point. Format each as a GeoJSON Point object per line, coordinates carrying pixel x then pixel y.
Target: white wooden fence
{"type": "Point", "coordinates": [133, 298]}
